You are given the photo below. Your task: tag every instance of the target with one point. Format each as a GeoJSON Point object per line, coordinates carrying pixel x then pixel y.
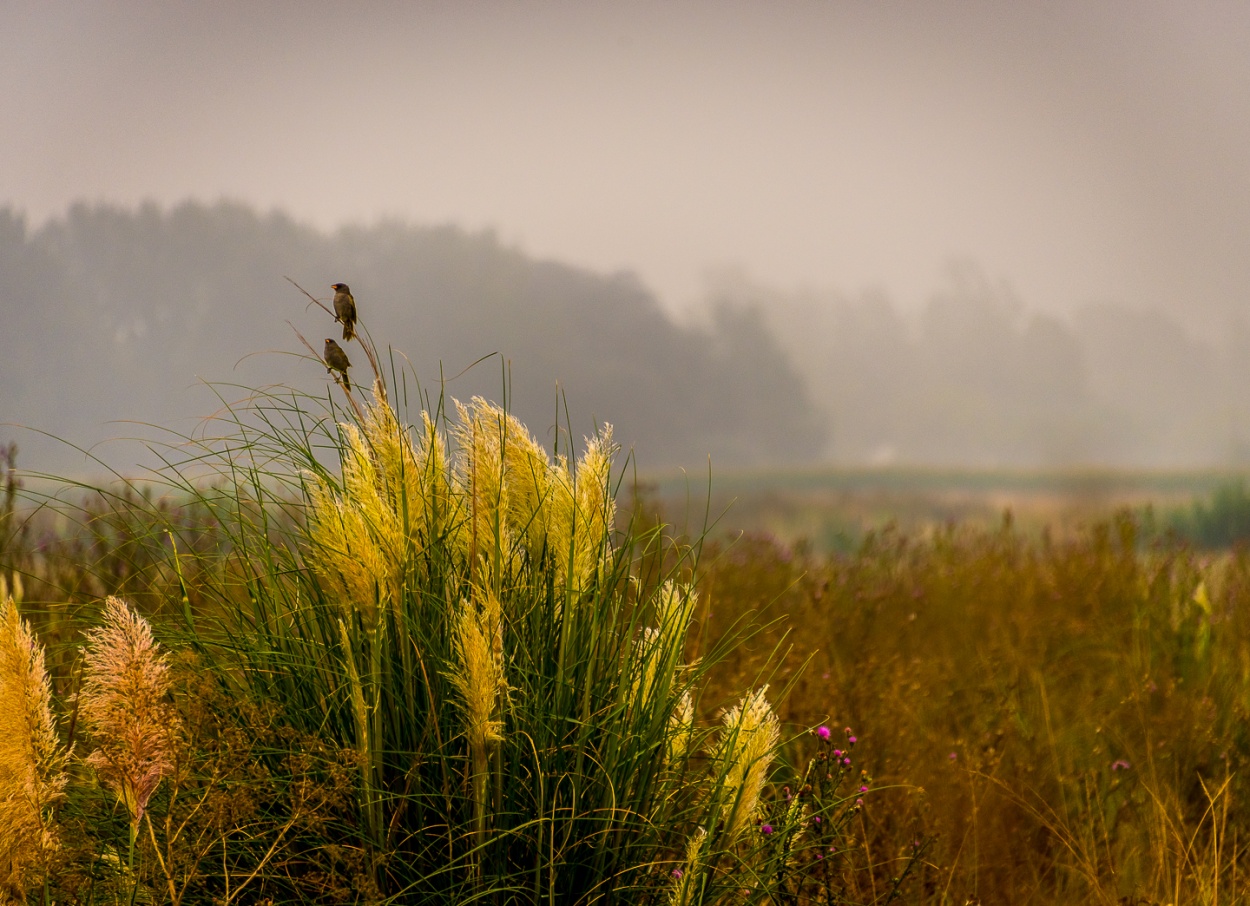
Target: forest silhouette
{"type": "Point", "coordinates": [116, 318]}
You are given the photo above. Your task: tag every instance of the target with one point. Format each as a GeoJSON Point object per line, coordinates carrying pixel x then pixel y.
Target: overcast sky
{"type": "Point", "coordinates": [1084, 151]}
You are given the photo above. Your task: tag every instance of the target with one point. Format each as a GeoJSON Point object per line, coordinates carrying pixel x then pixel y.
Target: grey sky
{"type": "Point", "coordinates": [1084, 151]}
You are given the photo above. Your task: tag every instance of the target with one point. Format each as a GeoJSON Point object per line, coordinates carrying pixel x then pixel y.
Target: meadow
{"type": "Point", "coordinates": [380, 647]}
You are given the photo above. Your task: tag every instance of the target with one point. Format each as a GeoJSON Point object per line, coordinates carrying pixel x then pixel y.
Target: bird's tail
{"type": "Point", "coordinates": [348, 333]}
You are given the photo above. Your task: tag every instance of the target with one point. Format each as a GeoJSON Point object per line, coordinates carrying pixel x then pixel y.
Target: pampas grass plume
{"type": "Point", "coordinates": [32, 761]}
{"type": "Point", "coordinates": [748, 740]}
{"type": "Point", "coordinates": [686, 879]}
{"type": "Point", "coordinates": [122, 704]}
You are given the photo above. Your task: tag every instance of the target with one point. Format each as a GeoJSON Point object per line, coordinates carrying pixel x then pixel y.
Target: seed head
{"type": "Point", "coordinates": [123, 706]}
{"type": "Point", "coordinates": [747, 744]}
{"type": "Point", "coordinates": [32, 761]}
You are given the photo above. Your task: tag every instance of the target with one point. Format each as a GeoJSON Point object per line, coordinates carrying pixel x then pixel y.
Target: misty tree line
{"type": "Point", "coordinates": [115, 316]}
{"type": "Point", "coordinates": [975, 378]}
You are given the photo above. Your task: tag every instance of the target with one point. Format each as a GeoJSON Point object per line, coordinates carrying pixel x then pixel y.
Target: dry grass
{"type": "Point", "coordinates": [1067, 717]}
{"type": "Point", "coordinates": [1028, 716]}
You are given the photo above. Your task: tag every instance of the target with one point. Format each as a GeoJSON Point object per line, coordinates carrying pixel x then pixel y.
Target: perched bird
{"type": "Point", "coordinates": [345, 310]}
{"type": "Point", "coordinates": [336, 360]}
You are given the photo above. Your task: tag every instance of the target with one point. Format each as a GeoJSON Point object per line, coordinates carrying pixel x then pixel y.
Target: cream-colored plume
{"type": "Point", "coordinates": [748, 739]}
{"type": "Point", "coordinates": [124, 708]}
{"type": "Point", "coordinates": [32, 761]}
{"type": "Point", "coordinates": [687, 879]}
{"type": "Point", "coordinates": [478, 673]}
{"type": "Point", "coordinates": [583, 512]}
{"type": "Point", "coordinates": [395, 499]}
{"type": "Point", "coordinates": [659, 651]}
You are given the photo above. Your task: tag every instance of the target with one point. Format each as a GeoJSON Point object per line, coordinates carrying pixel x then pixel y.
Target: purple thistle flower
{"type": "Point", "coordinates": [766, 829]}
{"type": "Point", "coordinates": [677, 873]}
{"type": "Point", "coordinates": [823, 732]}
{"type": "Point", "coordinates": [863, 789]}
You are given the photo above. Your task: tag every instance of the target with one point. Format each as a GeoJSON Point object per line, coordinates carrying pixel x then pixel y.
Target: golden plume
{"type": "Point", "coordinates": [748, 739]}
{"type": "Point", "coordinates": [32, 761]}
{"type": "Point", "coordinates": [122, 704]}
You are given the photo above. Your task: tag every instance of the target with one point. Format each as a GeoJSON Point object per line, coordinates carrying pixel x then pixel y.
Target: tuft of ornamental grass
{"type": "Point", "coordinates": [408, 662]}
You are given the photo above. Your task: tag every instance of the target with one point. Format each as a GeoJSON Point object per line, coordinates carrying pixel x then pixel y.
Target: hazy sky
{"type": "Point", "coordinates": [1082, 150]}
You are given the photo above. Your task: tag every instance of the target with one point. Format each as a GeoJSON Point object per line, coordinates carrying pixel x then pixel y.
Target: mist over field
{"type": "Point", "coordinates": [119, 319]}
{"type": "Point", "coordinates": [968, 233]}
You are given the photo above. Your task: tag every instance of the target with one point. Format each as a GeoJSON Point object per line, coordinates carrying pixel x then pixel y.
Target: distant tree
{"type": "Point", "coordinates": [1221, 522]}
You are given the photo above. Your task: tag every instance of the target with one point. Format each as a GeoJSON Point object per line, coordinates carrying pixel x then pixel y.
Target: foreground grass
{"type": "Point", "coordinates": [330, 656]}
{"type": "Point", "coordinates": [428, 662]}
{"type": "Point", "coordinates": [1036, 720]}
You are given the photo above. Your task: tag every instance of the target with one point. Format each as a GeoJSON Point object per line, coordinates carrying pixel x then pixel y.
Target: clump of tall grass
{"type": "Point", "coordinates": [458, 678]}
{"type": "Point", "coordinates": [518, 699]}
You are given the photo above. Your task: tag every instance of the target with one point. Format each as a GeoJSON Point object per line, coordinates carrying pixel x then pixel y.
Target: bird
{"type": "Point", "coordinates": [336, 360]}
{"type": "Point", "coordinates": [345, 309]}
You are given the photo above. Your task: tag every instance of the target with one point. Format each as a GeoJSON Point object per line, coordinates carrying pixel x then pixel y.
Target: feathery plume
{"type": "Point", "coordinates": [345, 556]}
{"type": "Point", "coordinates": [395, 498]}
{"type": "Point", "coordinates": [359, 543]}
{"type": "Point", "coordinates": [481, 479]}
{"type": "Point", "coordinates": [680, 730]}
{"type": "Point", "coordinates": [659, 650]}
{"type": "Point", "coordinates": [582, 513]}
{"type": "Point", "coordinates": [517, 493]}
{"type": "Point", "coordinates": [441, 506]}
{"type": "Point", "coordinates": [371, 484]}
{"type": "Point", "coordinates": [596, 508]}
{"type": "Point", "coordinates": [561, 517]}
{"type": "Point", "coordinates": [122, 704]}
{"type": "Point", "coordinates": [32, 761]}
{"type": "Point", "coordinates": [400, 476]}
{"type": "Point", "coordinates": [747, 743]}
{"type": "Point", "coordinates": [527, 473]}
{"type": "Point", "coordinates": [478, 677]}
{"type": "Point", "coordinates": [687, 879]}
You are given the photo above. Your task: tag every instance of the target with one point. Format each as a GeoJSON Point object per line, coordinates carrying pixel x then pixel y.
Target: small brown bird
{"type": "Point", "coordinates": [345, 310]}
{"type": "Point", "coordinates": [336, 360]}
